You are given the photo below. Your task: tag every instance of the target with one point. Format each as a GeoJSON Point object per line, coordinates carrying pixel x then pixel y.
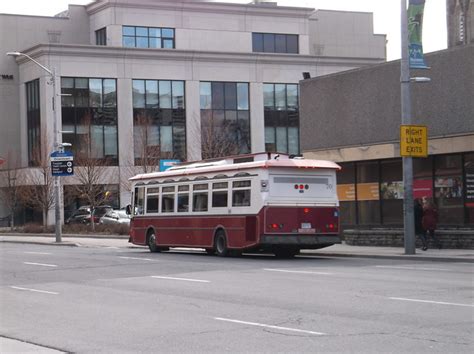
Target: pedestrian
{"type": "Point", "coordinates": [430, 221]}
{"type": "Point", "coordinates": [419, 231]}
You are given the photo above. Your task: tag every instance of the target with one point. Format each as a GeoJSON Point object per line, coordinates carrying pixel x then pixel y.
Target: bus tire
{"type": "Point", "coordinates": [221, 244]}
{"type": "Point", "coordinates": [210, 251]}
{"type": "Point", "coordinates": [151, 242]}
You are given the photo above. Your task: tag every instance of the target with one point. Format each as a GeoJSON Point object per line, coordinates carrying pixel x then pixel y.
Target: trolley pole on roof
{"type": "Point", "coordinates": [408, 212]}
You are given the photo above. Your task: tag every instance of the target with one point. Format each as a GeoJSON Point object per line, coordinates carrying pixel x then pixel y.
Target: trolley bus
{"type": "Point", "coordinates": [261, 202]}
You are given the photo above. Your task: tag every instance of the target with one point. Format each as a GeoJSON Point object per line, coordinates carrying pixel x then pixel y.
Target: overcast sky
{"type": "Point", "coordinates": [386, 16]}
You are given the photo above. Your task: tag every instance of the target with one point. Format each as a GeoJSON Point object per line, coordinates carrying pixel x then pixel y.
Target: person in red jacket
{"type": "Point", "coordinates": [429, 222]}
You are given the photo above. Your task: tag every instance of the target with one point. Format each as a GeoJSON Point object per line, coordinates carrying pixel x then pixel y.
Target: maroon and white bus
{"type": "Point", "coordinates": [260, 202]}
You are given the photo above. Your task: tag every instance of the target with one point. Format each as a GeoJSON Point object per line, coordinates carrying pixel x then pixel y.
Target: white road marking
{"type": "Point", "coordinates": [183, 279]}
{"type": "Point", "coordinates": [113, 248]}
{"type": "Point", "coordinates": [269, 326]}
{"type": "Point", "coordinates": [430, 302]}
{"type": "Point", "coordinates": [137, 259]}
{"type": "Point", "coordinates": [413, 268]}
{"type": "Point", "coordinates": [34, 290]}
{"type": "Point", "coordinates": [43, 253]}
{"type": "Point", "coordinates": [40, 264]}
{"type": "Point", "coordinates": [296, 271]}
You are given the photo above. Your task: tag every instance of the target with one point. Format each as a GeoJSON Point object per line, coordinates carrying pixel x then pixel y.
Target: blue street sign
{"type": "Point", "coordinates": [62, 163]}
{"type": "Point", "coordinates": [165, 164]}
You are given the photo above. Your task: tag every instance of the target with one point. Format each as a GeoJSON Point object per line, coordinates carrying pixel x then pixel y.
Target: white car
{"type": "Point", "coordinates": [117, 217]}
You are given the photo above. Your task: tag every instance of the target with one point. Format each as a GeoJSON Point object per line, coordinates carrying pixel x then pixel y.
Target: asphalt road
{"type": "Point", "coordinates": [112, 300]}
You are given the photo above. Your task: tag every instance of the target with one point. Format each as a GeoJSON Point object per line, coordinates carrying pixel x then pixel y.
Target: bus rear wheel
{"type": "Point", "coordinates": [221, 244]}
{"type": "Point", "coordinates": [151, 242]}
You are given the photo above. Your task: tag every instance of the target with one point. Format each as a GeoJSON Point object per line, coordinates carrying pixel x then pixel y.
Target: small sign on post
{"type": "Point", "coordinates": [413, 141]}
{"type": "Point", "coordinates": [62, 163]}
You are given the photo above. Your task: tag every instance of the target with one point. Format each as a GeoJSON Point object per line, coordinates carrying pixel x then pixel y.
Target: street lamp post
{"type": "Point", "coordinates": [57, 145]}
{"type": "Point", "coordinates": [408, 205]}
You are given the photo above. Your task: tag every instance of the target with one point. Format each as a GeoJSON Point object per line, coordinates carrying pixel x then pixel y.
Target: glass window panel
{"type": "Point", "coordinates": [81, 83]}
{"type": "Point", "coordinates": [241, 198]}
{"type": "Point", "coordinates": [369, 213]}
{"type": "Point", "coordinates": [469, 185]}
{"type": "Point", "coordinates": [166, 136]}
{"type": "Point", "coordinates": [281, 139]}
{"type": "Point", "coordinates": [367, 172]}
{"type": "Point", "coordinates": [97, 141]}
{"type": "Point", "coordinates": [280, 43]}
{"type": "Point", "coordinates": [270, 135]}
{"type": "Point", "coordinates": [142, 42]}
{"type": "Point", "coordinates": [95, 92]}
{"type": "Point", "coordinates": [168, 43]}
{"type": "Point", "coordinates": [154, 42]}
{"type": "Point", "coordinates": [139, 201]}
{"type": "Point", "coordinates": [268, 96]}
{"type": "Point", "coordinates": [141, 31]}
{"type": "Point", "coordinates": [110, 135]}
{"type": "Point", "coordinates": [242, 96]}
{"type": "Point", "coordinates": [293, 141]}
{"type": "Point", "coordinates": [151, 93]}
{"type": "Point", "coordinates": [241, 184]}
{"type": "Point", "coordinates": [257, 42]}
{"type": "Point", "coordinates": [67, 82]}
{"type": "Point", "coordinates": [205, 89]}
{"type": "Point", "coordinates": [128, 41]}
{"type": "Point", "coordinates": [179, 142]}
{"type": "Point", "coordinates": [128, 31]}
{"type": "Point", "coordinates": [167, 32]}
{"type": "Point", "coordinates": [292, 96]}
{"type": "Point", "coordinates": [280, 97]}
{"type": "Point", "coordinates": [269, 43]}
{"type": "Point", "coordinates": [218, 95]}
{"type": "Point", "coordinates": [152, 204]}
{"type": "Point", "coordinates": [220, 185]}
{"type": "Point", "coordinates": [200, 187]}
{"type": "Point", "coordinates": [167, 203]}
{"type": "Point", "coordinates": [219, 199]}
{"type": "Point", "coordinates": [230, 90]}
{"type": "Point", "coordinates": [218, 118]}
{"type": "Point", "coordinates": [183, 203]}
{"type": "Point", "coordinates": [178, 94]}
{"type": "Point", "coordinates": [110, 93]}
{"type": "Point", "coordinates": [292, 44]}
{"type": "Point", "coordinates": [155, 190]}
{"type": "Point", "coordinates": [168, 189]}
{"type": "Point", "coordinates": [200, 201]}
{"type": "Point", "coordinates": [154, 32]}
{"type": "Point", "coordinates": [152, 135]}
{"type": "Point", "coordinates": [230, 117]}
{"type": "Point", "coordinates": [165, 94]}
{"type": "Point", "coordinates": [138, 93]}
{"type": "Point", "coordinates": [448, 185]}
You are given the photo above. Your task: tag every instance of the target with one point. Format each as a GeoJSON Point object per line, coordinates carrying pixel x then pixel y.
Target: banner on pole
{"type": "Point", "coordinates": [415, 30]}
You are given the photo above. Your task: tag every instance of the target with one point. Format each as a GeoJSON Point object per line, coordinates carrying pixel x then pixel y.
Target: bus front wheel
{"type": "Point", "coordinates": [221, 244]}
{"type": "Point", "coordinates": [151, 242]}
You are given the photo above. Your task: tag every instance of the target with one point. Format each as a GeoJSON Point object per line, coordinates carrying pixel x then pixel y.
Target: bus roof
{"type": "Point", "coordinates": [232, 164]}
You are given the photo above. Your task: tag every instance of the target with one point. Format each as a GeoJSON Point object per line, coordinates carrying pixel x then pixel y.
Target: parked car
{"type": "Point", "coordinates": [116, 217]}
{"type": "Point", "coordinates": [83, 214]}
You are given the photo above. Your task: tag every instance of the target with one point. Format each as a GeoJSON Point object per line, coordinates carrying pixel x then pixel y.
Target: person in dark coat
{"type": "Point", "coordinates": [419, 231]}
{"type": "Point", "coordinates": [430, 221]}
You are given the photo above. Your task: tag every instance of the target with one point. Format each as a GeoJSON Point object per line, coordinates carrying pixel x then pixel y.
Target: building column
{"type": "Point", "coordinates": [125, 138]}
{"type": "Point", "coordinates": [257, 122]}
{"type": "Point", "coordinates": [193, 121]}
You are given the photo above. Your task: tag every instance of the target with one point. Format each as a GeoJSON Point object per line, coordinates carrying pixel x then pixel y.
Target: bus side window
{"type": "Point", "coordinates": [167, 199]}
{"type": "Point", "coordinates": [183, 199]}
{"type": "Point", "coordinates": [200, 197]}
{"type": "Point", "coordinates": [139, 201]}
{"type": "Point", "coordinates": [241, 193]}
{"type": "Point", "coordinates": [219, 194]}
{"type": "Point", "coordinates": [152, 200]}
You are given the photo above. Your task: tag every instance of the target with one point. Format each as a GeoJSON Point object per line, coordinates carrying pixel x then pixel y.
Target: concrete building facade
{"type": "Point", "coordinates": [182, 64]}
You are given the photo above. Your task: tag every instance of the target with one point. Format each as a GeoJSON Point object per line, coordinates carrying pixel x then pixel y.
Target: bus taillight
{"type": "Point", "coordinates": [306, 210]}
{"type": "Point", "coordinates": [276, 226]}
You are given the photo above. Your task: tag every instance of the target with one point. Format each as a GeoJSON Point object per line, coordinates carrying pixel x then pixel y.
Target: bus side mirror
{"type": "Point", "coordinates": [128, 209]}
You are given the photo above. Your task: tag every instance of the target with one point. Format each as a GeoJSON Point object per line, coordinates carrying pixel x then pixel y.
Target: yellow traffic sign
{"type": "Point", "coordinates": [413, 141]}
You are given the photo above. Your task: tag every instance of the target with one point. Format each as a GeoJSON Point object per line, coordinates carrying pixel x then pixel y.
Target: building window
{"type": "Point", "coordinates": [281, 104]}
{"type": "Point", "coordinates": [225, 118]}
{"type": "Point", "coordinates": [33, 122]}
{"type": "Point", "coordinates": [469, 187]}
{"type": "Point", "coordinates": [448, 189]}
{"type": "Point", "coordinates": [391, 191]}
{"type": "Point", "coordinates": [148, 37]}
{"type": "Point", "coordinates": [89, 117]}
{"type": "Point", "coordinates": [346, 194]}
{"type": "Point", "coordinates": [159, 119]}
{"type": "Point", "coordinates": [101, 36]}
{"type": "Point", "coordinates": [367, 191]}
{"type": "Point", "coordinates": [275, 43]}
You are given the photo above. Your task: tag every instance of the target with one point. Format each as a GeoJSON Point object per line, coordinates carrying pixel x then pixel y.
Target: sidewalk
{"type": "Point", "coordinates": [342, 250]}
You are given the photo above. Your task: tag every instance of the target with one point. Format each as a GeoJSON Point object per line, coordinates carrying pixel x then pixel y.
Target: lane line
{"type": "Point", "coordinates": [269, 326]}
{"type": "Point", "coordinates": [34, 290]}
{"type": "Point", "coordinates": [413, 268]}
{"type": "Point", "coordinates": [430, 302]}
{"type": "Point", "coordinates": [182, 279]}
{"type": "Point", "coordinates": [138, 259]}
{"type": "Point", "coordinates": [43, 253]}
{"type": "Point", "coordinates": [295, 271]}
{"type": "Point", "coordinates": [41, 264]}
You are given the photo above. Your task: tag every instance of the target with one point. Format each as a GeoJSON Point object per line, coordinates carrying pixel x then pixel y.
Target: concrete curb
{"type": "Point", "coordinates": [69, 244]}
{"type": "Point", "coordinates": [407, 257]}
{"type": "Point", "coordinates": [85, 236]}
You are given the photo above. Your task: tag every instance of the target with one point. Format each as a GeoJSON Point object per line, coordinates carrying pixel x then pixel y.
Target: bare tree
{"type": "Point", "coordinates": [90, 172]}
{"type": "Point", "coordinates": [10, 186]}
{"type": "Point", "coordinates": [147, 150]}
{"type": "Point", "coordinates": [218, 140]}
